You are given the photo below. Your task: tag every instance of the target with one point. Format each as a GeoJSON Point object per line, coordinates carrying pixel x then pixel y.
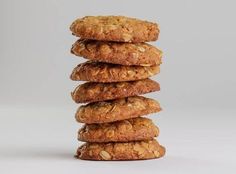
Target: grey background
{"type": "Point", "coordinates": [198, 85]}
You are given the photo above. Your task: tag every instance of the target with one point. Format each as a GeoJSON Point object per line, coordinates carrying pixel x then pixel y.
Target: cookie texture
{"type": "Point", "coordinates": [115, 28]}
{"type": "Point", "coordinates": [104, 72]}
{"type": "Point", "coordinates": [134, 129]}
{"type": "Point", "coordinates": [94, 92]}
{"type": "Point", "coordinates": [142, 54]}
{"type": "Point", "coordinates": [137, 150]}
{"type": "Point", "coordinates": [113, 110]}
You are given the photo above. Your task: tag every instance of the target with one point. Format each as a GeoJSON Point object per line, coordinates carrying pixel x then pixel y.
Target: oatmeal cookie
{"type": "Point", "coordinates": [142, 54]}
{"type": "Point", "coordinates": [137, 150]}
{"type": "Point", "coordinates": [105, 72]}
{"type": "Point", "coordinates": [94, 92]}
{"type": "Point", "coordinates": [115, 28]}
{"type": "Point", "coordinates": [134, 129]}
{"type": "Point", "coordinates": [113, 110]}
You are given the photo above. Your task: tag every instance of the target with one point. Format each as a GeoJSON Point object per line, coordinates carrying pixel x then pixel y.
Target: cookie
{"type": "Point", "coordinates": [113, 110]}
{"type": "Point", "coordinates": [94, 92]}
{"type": "Point", "coordinates": [134, 129]}
{"type": "Point", "coordinates": [104, 72]}
{"type": "Point", "coordinates": [115, 28]}
{"type": "Point", "coordinates": [142, 54]}
{"type": "Point", "coordinates": [138, 150]}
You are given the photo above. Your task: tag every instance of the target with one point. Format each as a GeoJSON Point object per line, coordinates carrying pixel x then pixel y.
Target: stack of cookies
{"type": "Point", "coordinates": [118, 71]}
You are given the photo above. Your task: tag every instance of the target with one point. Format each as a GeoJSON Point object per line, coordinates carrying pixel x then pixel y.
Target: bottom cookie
{"type": "Point", "coordinates": [138, 150]}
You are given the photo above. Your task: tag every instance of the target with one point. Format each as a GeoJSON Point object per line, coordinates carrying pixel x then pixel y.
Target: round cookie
{"type": "Point", "coordinates": [142, 54]}
{"type": "Point", "coordinates": [115, 28]}
{"type": "Point", "coordinates": [138, 150]}
{"type": "Point", "coordinates": [134, 129]}
{"type": "Point", "coordinates": [104, 72]}
{"type": "Point", "coordinates": [113, 110]}
{"type": "Point", "coordinates": [94, 92]}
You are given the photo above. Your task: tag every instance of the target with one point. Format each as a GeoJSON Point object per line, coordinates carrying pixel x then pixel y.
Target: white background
{"type": "Point", "coordinates": [198, 85]}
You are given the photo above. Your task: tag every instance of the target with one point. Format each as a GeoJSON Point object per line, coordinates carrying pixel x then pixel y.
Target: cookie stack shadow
{"type": "Point", "coordinates": [117, 72]}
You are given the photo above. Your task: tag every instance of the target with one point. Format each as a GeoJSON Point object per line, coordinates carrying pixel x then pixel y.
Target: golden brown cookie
{"type": "Point", "coordinates": [115, 28]}
{"type": "Point", "coordinates": [113, 110]}
{"type": "Point", "coordinates": [104, 72]}
{"type": "Point", "coordinates": [141, 54]}
{"type": "Point", "coordinates": [134, 129]}
{"type": "Point", "coordinates": [94, 92]}
{"type": "Point", "coordinates": [138, 150]}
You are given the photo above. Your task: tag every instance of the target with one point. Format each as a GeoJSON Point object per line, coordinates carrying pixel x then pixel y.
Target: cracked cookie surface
{"type": "Point", "coordinates": [142, 54]}
{"type": "Point", "coordinates": [115, 28]}
{"type": "Point", "coordinates": [94, 92]}
{"type": "Point", "coordinates": [137, 150]}
{"type": "Point", "coordinates": [104, 72]}
{"type": "Point", "coordinates": [134, 129]}
{"type": "Point", "coordinates": [113, 110]}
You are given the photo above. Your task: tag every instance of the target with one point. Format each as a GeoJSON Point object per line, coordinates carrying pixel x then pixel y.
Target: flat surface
{"type": "Point", "coordinates": [42, 140]}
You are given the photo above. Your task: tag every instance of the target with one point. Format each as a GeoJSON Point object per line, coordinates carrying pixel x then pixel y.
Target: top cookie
{"type": "Point", "coordinates": [115, 28]}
